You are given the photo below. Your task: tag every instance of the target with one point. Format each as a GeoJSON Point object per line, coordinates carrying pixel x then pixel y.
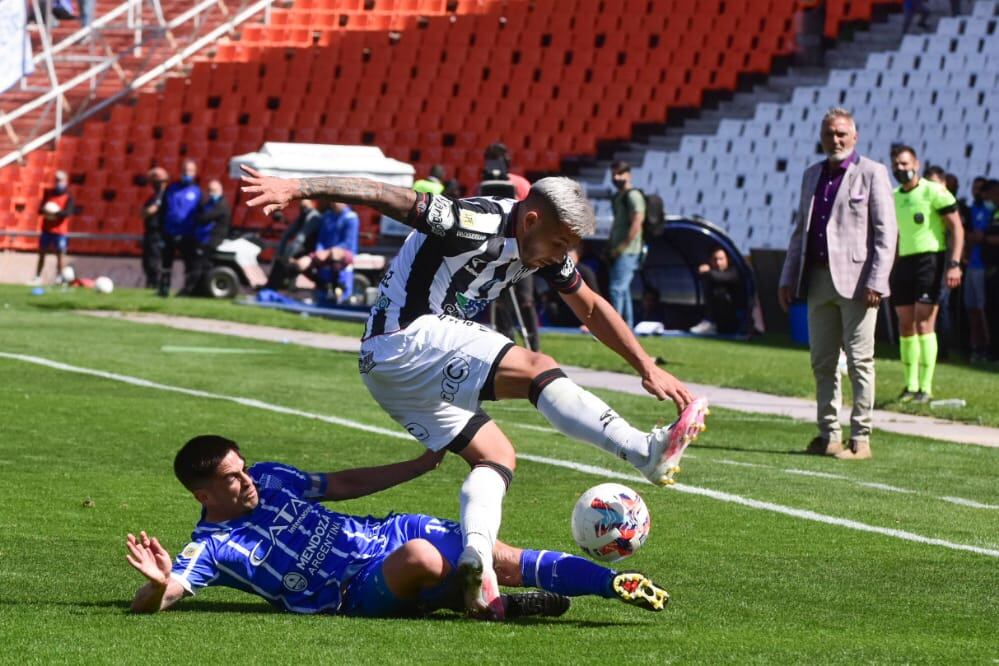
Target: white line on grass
{"type": "Point", "coordinates": [175, 349]}
{"type": "Point", "coordinates": [767, 506]}
{"type": "Point", "coordinates": [579, 467]}
{"type": "Point", "coordinates": [806, 472]}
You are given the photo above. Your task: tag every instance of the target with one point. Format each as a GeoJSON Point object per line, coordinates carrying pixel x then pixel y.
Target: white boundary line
{"type": "Point", "coordinates": [587, 469]}
{"type": "Point", "coordinates": [804, 472]}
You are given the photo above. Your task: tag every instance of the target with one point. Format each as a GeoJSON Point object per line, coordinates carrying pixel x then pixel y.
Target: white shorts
{"type": "Point", "coordinates": [429, 377]}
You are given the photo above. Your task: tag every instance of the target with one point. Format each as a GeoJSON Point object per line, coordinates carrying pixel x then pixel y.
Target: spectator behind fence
{"type": "Point", "coordinates": [432, 184]}
{"type": "Point", "coordinates": [181, 205]}
{"type": "Point", "coordinates": [211, 228]}
{"type": "Point", "coordinates": [56, 208]}
{"type": "Point", "coordinates": [298, 239]}
{"type": "Point", "coordinates": [925, 211]}
{"type": "Point", "coordinates": [340, 227]}
{"type": "Point", "coordinates": [724, 295]}
{"type": "Point", "coordinates": [840, 256]}
{"type": "Point", "coordinates": [152, 258]}
{"type": "Point", "coordinates": [624, 246]}
{"type": "Point", "coordinates": [979, 219]}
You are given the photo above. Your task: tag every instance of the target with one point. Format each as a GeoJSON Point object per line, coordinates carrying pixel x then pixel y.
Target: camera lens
{"type": "Point", "coordinates": [918, 217]}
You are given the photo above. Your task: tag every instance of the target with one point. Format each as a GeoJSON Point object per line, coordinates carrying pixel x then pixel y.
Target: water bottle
{"type": "Point", "coordinates": [950, 402]}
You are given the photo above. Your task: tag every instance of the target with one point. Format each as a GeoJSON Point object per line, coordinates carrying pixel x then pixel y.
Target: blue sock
{"type": "Point", "coordinates": [565, 574]}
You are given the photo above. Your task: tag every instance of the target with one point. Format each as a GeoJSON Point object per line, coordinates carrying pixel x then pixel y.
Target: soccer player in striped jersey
{"type": "Point", "coordinates": [430, 366]}
{"type": "Point", "coordinates": [264, 531]}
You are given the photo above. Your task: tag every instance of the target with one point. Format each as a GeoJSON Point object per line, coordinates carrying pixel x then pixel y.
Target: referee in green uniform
{"type": "Point", "coordinates": [926, 212]}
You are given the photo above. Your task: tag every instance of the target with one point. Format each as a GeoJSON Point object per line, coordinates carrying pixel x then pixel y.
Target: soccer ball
{"type": "Point", "coordinates": [104, 285]}
{"type": "Point", "coordinates": [610, 522]}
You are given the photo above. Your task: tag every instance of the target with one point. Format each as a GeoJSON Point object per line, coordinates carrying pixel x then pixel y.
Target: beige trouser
{"type": "Point", "coordinates": [835, 322]}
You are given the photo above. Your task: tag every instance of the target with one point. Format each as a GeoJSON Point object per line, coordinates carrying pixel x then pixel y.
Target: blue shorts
{"type": "Point", "coordinates": [52, 241]}
{"type": "Point", "coordinates": [366, 594]}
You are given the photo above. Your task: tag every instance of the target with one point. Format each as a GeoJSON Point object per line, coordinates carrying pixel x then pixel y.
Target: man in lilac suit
{"type": "Point", "coordinates": [839, 258]}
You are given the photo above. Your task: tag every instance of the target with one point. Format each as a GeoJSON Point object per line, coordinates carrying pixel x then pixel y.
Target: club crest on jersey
{"type": "Point", "coordinates": [294, 582]}
{"type": "Point", "coordinates": [485, 223]}
{"type": "Point", "coordinates": [190, 551]}
{"type": "Point", "coordinates": [440, 217]}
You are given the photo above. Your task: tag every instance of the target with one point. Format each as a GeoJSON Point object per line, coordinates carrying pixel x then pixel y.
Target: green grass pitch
{"type": "Point", "coordinates": [85, 459]}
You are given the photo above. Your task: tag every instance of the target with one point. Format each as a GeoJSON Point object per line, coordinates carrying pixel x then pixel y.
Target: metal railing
{"type": "Point", "coordinates": [156, 33]}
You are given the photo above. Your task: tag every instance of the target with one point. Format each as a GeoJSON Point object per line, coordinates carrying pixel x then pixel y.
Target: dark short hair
{"type": "Point", "coordinates": [716, 248]}
{"type": "Point", "coordinates": [990, 184]}
{"type": "Point", "coordinates": [900, 148]}
{"type": "Point", "coordinates": [497, 151]}
{"type": "Point", "coordinates": [197, 461]}
{"type": "Point", "coordinates": [620, 166]}
{"type": "Point", "coordinates": [935, 170]}
{"type": "Point", "coordinates": [437, 171]}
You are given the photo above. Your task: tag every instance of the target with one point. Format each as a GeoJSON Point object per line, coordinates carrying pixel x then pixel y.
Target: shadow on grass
{"type": "Point", "coordinates": [261, 608]}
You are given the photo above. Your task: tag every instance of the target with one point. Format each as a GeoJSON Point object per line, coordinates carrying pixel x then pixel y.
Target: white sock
{"type": "Point", "coordinates": [577, 413]}
{"type": "Point", "coordinates": [482, 510]}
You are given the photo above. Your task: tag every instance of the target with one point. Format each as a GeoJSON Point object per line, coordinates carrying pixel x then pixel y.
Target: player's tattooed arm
{"type": "Point", "coordinates": [276, 193]}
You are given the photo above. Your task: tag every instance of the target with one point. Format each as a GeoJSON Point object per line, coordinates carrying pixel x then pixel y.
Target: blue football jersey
{"type": "Point", "coordinates": [290, 550]}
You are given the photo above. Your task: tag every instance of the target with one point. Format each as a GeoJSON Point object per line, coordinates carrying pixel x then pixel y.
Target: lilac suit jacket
{"type": "Point", "coordinates": [862, 231]}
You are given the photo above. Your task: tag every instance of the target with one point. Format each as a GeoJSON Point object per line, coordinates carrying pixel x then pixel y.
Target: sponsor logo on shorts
{"type": "Point", "coordinates": [366, 362]}
{"type": "Point", "coordinates": [456, 371]}
{"type": "Point", "coordinates": [468, 308]}
{"type": "Point", "coordinates": [470, 235]}
{"type": "Point", "coordinates": [418, 431]}
{"type": "Point", "coordinates": [294, 582]}
{"type": "Point", "coordinates": [440, 217]}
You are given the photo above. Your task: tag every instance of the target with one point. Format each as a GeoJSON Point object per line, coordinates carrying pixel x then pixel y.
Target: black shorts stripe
{"type": "Point", "coordinates": [474, 425]}
{"type": "Point", "coordinates": [488, 391]}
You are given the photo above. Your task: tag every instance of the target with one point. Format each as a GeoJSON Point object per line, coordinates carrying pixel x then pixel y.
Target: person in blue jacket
{"type": "Point", "coordinates": [340, 228]}
{"type": "Point", "coordinates": [180, 208]}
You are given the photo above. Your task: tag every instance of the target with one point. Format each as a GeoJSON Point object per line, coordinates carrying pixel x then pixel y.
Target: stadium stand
{"type": "Point", "coordinates": [936, 92]}
{"type": "Point", "coordinates": [432, 81]}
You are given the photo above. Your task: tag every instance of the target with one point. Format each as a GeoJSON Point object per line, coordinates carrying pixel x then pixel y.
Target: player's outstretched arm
{"type": "Point", "coordinates": [275, 193]}
{"type": "Point", "coordinates": [606, 324]}
{"type": "Point", "coordinates": [351, 483]}
{"type": "Point", "coordinates": [149, 558]}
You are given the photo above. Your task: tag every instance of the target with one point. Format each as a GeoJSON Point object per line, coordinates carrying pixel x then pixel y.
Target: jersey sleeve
{"type": "Point", "coordinates": [563, 277]}
{"type": "Point", "coordinates": [461, 222]}
{"type": "Point", "coordinates": [307, 485]}
{"type": "Point", "coordinates": [195, 568]}
{"type": "Point", "coordinates": [943, 201]}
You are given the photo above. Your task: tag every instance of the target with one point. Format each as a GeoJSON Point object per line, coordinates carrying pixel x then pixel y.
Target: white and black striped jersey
{"type": "Point", "coordinates": [460, 255]}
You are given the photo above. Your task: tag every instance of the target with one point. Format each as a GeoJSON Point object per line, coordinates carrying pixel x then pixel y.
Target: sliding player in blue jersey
{"type": "Point", "coordinates": [263, 531]}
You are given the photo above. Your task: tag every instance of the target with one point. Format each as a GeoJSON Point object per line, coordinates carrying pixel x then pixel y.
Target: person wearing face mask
{"type": "Point", "coordinates": [151, 210]}
{"type": "Point", "coordinates": [979, 219]}
{"type": "Point", "coordinates": [926, 211]}
{"type": "Point", "coordinates": [624, 246]}
{"type": "Point", "coordinates": [839, 257]}
{"type": "Point", "coordinates": [180, 208]}
{"type": "Point", "coordinates": [56, 208]}
{"type": "Point", "coordinates": [211, 228]}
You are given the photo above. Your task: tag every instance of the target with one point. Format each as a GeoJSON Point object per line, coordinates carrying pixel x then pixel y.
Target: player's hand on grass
{"type": "Point", "coordinates": [663, 385]}
{"type": "Point", "coordinates": [149, 558]}
{"type": "Point", "coordinates": [272, 193]}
